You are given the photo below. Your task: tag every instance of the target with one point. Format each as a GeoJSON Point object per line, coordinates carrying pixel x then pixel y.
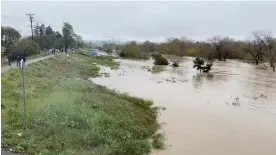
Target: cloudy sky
{"type": "Point", "coordinates": [145, 20]}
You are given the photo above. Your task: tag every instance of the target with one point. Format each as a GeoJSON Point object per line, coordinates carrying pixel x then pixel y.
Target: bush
{"type": "Point", "coordinates": [122, 54]}
{"type": "Point", "coordinates": [160, 60]}
{"type": "Point", "coordinates": [198, 64]}
{"type": "Point", "coordinates": [175, 64]}
{"type": "Point", "coordinates": [154, 55]}
{"type": "Point", "coordinates": [26, 46]}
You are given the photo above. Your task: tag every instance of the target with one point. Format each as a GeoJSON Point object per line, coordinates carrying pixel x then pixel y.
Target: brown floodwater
{"type": "Point", "coordinates": [231, 113]}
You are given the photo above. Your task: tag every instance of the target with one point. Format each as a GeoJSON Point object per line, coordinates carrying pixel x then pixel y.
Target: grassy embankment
{"type": "Point", "coordinates": [66, 114]}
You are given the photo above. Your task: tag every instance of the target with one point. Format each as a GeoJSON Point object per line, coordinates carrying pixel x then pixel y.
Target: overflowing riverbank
{"type": "Point", "coordinates": [67, 114]}
{"type": "Point", "coordinates": [231, 112]}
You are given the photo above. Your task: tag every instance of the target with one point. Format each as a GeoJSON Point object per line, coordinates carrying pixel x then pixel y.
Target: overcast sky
{"type": "Point", "coordinates": [145, 20]}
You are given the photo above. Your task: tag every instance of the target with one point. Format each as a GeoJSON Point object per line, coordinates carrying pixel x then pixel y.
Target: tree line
{"type": "Point", "coordinates": [45, 38]}
{"type": "Point", "coordinates": [259, 47]}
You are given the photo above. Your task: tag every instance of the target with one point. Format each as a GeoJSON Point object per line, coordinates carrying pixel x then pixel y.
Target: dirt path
{"type": "Point", "coordinates": [13, 65]}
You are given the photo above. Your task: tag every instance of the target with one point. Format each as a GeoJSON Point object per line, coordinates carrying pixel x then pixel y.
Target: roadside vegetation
{"type": "Point", "coordinates": [67, 114]}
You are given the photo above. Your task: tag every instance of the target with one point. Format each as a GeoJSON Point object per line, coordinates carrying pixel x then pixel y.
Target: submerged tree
{"type": "Point", "coordinates": [199, 65]}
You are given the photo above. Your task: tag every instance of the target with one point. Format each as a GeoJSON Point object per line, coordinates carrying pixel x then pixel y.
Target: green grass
{"type": "Point", "coordinates": [66, 114]}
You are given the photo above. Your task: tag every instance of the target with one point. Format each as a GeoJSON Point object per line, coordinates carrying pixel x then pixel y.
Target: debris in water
{"type": "Point", "coordinates": [263, 96]}
{"type": "Point", "coordinates": [168, 80]}
{"type": "Point", "coordinates": [146, 67]}
{"type": "Point", "coordinates": [236, 102]}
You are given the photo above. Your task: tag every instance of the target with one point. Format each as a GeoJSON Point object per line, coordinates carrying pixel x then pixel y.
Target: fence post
{"type": "Point", "coordinates": [22, 64]}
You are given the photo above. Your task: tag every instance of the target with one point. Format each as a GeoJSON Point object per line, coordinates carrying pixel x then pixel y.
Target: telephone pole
{"type": "Point", "coordinates": [31, 18]}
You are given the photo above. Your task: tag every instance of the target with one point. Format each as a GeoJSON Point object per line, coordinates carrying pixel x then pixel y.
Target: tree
{"type": "Point", "coordinates": [270, 43]}
{"type": "Point", "coordinates": [221, 46]}
{"type": "Point", "coordinates": [41, 30]}
{"type": "Point", "coordinates": [256, 47]}
{"type": "Point", "coordinates": [36, 31]}
{"type": "Point", "coordinates": [147, 47]}
{"type": "Point", "coordinates": [132, 50]}
{"type": "Point", "coordinates": [49, 31]}
{"type": "Point", "coordinates": [79, 41]}
{"type": "Point", "coordinates": [58, 35]}
{"type": "Point", "coordinates": [26, 46]}
{"type": "Point", "coordinates": [67, 32]}
{"type": "Point", "coordinates": [8, 37]}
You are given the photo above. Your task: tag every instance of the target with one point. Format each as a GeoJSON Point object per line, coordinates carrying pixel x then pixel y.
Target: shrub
{"type": "Point", "coordinates": [160, 60]}
{"type": "Point", "coordinates": [198, 64]}
{"type": "Point", "coordinates": [154, 55]}
{"type": "Point", "coordinates": [122, 54]}
{"type": "Point", "coordinates": [175, 64]}
{"type": "Point", "coordinates": [26, 46]}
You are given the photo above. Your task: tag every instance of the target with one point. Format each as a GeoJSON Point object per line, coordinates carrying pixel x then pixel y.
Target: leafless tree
{"type": "Point", "coordinates": [270, 43]}
{"type": "Point", "coordinates": [256, 46]}
{"type": "Point", "coordinates": [222, 46]}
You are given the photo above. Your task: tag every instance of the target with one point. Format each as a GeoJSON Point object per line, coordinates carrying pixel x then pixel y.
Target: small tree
{"type": "Point", "coordinates": [26, 46]}
{"type": "Point", "coordinates": [175, 63]}
{"type": "Point", "coordinates": [270, 43]}
{"type": "Point", "coordinates": [256, 47]}
{"type": "Point", "coordinates": [132, 50]}
{"type": "Point", "coordinates": [9, 36]}
{"type": "Point", "coordinates": [199, 65]}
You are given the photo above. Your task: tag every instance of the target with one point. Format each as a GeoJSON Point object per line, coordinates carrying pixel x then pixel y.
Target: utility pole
{"type": "Point", "coordinates": [31, 18]}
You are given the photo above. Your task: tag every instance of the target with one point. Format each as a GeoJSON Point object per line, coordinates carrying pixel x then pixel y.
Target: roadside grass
{"type": "Point", "coordinates": [67, 114]}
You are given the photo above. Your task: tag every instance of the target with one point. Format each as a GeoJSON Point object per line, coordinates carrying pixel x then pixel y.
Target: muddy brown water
{"type": "Point", "coordinates": [231, 113]}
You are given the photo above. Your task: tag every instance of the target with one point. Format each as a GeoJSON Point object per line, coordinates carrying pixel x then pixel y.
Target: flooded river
{"type": "Point", "coordinates": [231, 113]}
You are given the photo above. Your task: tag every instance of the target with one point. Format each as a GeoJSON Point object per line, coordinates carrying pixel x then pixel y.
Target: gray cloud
{"type": "Point", "coordinates": [146, 20]}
